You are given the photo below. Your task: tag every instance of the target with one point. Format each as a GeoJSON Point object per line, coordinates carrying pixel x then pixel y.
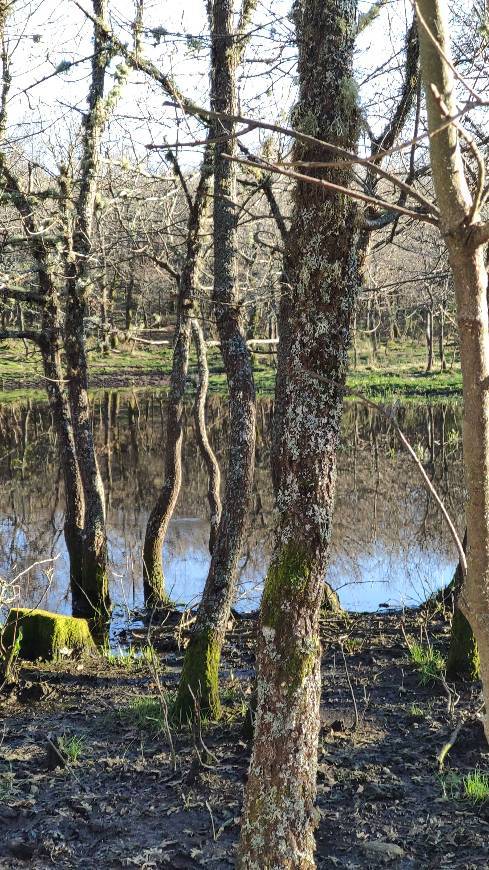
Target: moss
{"type": "Point", "coordinates": [286, 582]}
{"type": "Point", "coordinates": [155, 594]}
{"type": "Point", "coordinates": [287, 579]}
{"type": "Point", "coordinates": [44, 635]}
{"type": "Point", "coordinates": [463, 655]}
{"type": "Point", "coordinates": [94, 589]}
{"type": "Point", "coordinates": [200, 678]}
{"type": "Point", "coordinates": [302, 662]}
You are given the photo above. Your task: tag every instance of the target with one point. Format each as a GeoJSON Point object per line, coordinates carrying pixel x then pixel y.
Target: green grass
{"type": "Point", "coordinates": [416, 712]}
{"type": "Point", "coordinates": [129, 659]}
{"type": "Point", "coordinates": [428, 661]}
{"type": "Point", "coordinates": [397, 372]}
{"type": "Point", "coordinates": [476, 786]}
{"type": "Point", "coordinates": [473, 786]}
{"type": "Point", "coordinates": [146, 714]}
{"type": "Point", "coordinates": [71, 746]}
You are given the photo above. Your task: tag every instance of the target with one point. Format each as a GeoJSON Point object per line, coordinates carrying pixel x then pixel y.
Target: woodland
{"type": "Point", "coordinates": [244, 434]}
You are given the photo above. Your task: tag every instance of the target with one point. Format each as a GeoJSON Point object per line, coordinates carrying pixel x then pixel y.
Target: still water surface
{"type": "Point", "coordinates": [389, 546]}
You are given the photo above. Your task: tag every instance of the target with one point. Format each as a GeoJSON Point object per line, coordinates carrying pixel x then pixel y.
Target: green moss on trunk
{"type": "Point", "coordinates": [286, 580]}
{"type": "Point", "coordinates": [463, 655]}
{"type": "Point", "coordinates": [43, 634]}
{"type": "Point", "coordinates": [200, 678]}
{"type": "Point", "coordinates": [154, 585]}
{"type": "Point", "coordinates": [95, 589]}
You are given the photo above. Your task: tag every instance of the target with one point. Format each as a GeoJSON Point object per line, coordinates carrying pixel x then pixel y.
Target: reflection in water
{"type": "Point", "coordinates": [389, 543]}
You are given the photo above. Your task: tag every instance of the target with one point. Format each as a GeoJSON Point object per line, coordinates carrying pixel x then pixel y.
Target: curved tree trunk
{"type": "Point", "coordinates": [160, 516]}
{"type": "Point", "coordinates": [318, 298]}
{"type": "Point", "coordinates": [466, 238]}
{"type": "Point", "coordinates": [157, 526]}
{"type": "Point", "coordinates": [208, 455]}
{"type": "Point", "coordinates": [199, 679]}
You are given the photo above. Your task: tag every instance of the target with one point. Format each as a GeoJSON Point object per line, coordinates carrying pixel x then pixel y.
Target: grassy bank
{"type": "Point", "coordinates": [397, 372]}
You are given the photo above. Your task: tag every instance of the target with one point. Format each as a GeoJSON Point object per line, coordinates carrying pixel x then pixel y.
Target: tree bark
{"type": "Point", "coordinates": [157, 526]}
{"type": "Point", "coordinates": [318, 298]}
{"type": "Point", "coordinates": [78, 260]}
{"type": "Point", "coordinates": [461, 229]}
{"type": "Point", "coordinates": [207, 453]}
{"type": "Point", "coordinates": [199, 679]}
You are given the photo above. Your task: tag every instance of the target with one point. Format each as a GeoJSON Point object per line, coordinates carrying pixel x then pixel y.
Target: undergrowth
{"type": "Point", "coordinates": [427, 660]}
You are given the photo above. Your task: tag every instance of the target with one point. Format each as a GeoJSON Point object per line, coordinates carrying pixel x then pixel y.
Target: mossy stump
{"type": "Point", "coordinates": [463, 655]}
{"type": "Point", "coordinates": [45, 635]}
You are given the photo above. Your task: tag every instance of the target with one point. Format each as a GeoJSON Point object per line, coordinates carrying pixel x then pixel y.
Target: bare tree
{"type": "Point", "coordinates": [200, 670]}
{"type": "Point", "coordinates": [153, 575]}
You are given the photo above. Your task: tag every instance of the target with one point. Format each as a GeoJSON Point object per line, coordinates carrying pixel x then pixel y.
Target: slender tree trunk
{"type": "Point", "coordinates": [159, 518]}
{"type": "Point", "coordinates": [208, 455]}
{"type": "Point", "coordinates": [156, 529]}
{"type": "Point", "coordinates": [318, 299]}
{"type": "Point", "coordinates": [74, 500]}
{"type": "Point", "coordinates": [77, 255]}
{"type": "Point", "coordinates": [129, 304]}
{"type": "Point", "coordinates": [199, 680]}
{"type": "Point", "coordinates": [441, 338]}
{"type": "Point", "coordinates": [429, 340]}
{"type": "Point", "coordinates": [465, 238]}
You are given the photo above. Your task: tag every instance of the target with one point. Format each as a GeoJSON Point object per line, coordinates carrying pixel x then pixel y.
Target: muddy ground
{"type": "Point", "coordinates": [126, 802]}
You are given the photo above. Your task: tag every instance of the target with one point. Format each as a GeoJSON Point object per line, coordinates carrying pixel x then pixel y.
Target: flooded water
{"type": "Point", "coordinates": [389, 547]}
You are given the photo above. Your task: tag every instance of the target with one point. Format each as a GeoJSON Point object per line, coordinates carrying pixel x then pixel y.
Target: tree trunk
{"type": "Point", "coordinates": [429, 340]}
{"type": "Point", "coordinates": [156, 529]}
{"type": "Point", "coordinates": [465, 237]}
{"type": "Point", "coordinates": [74, 500]}
{"type": "Point", "coordinates": [159, 518]}
{"type": "Point", "coordinates": [199, 680]}
{"type": "Point", "coordinates": [78, 259]}
{"type": "Point", "coordinates": [208, 455]}
{"type": "Point", "coordinates": [318, 298]}
{"type": "Point", "coordinates": [441, 338]}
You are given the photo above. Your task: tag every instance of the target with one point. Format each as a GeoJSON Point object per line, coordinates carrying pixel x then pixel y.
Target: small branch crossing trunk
{"type": "Point", "coordinates": [318, 297]}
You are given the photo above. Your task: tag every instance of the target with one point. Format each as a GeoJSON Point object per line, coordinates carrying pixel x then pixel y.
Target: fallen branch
{"type": "Point", "coordinates": [448, 745]}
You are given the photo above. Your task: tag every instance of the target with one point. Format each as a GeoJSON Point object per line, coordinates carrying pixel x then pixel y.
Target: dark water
{"type": "Point", "coordinates": [389, 544]}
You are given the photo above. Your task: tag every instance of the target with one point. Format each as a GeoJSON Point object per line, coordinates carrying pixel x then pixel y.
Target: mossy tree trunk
{"type": "Point", "coordinates": [318, 298]}
{"type": "Point", "coordinates": [159, 519]}
{"type": "Point", "coordinates": [199, 679]}
{"type": "Point", "coordinates": [463, 655]}
{"type": "Point", "coordinates": [466, 239]}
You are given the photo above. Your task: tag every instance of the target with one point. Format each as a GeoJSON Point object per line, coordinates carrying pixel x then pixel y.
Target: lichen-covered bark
{"type": "Point", "coordinates": [77, 264]}
{"type": "Point", "coordinates": [317, 303]}
{"type": "Point", "coordinates": [208, 455]}
{"type": "Point", "coordinates": [200, 672]}
{"type": "Point", "coordinates": [156, 529]}
{"type": "Point", "coordinates": [460, 226]}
